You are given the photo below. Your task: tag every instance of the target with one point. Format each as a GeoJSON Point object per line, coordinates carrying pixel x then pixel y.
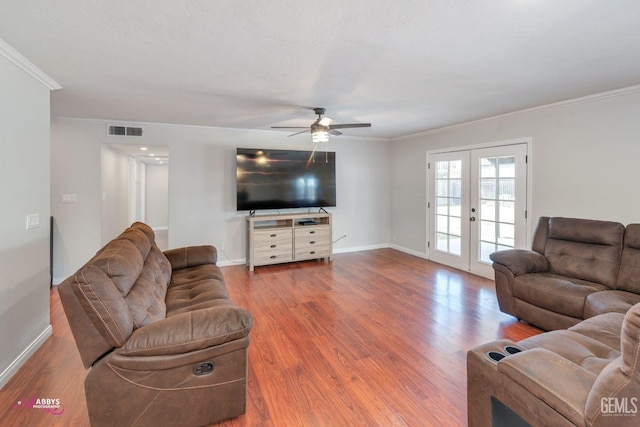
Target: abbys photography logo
{"type": "Point", "coordinates": [51, 406]}
{"type": "Point", "coordinates": [619, 406]}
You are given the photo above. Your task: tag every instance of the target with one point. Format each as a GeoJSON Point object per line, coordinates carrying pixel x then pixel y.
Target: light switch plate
{"type": "Point", "coordinates": [33, 221]}
{"type": "Point", "coordinates": [68, 198]}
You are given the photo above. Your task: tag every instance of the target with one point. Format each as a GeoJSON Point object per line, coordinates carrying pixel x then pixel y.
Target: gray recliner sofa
{"type": "Point", "coordinates": [164, 344]}
{"type": "Point", "coordinates": [576, 269]}
{"type": "Point", "coordinates": [588, 375]}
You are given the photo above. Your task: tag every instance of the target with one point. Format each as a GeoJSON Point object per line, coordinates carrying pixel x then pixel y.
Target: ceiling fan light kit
{"type": "Point", "coordinates": [319, 134]}
{"type": "Point", "coordinates": [322, 127]}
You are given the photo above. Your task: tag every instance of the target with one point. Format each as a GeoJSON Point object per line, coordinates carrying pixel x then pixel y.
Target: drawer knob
{"type": "Point", "coordinates": [273, 257]}
{"type": "Point", "coordinates": [274, 235]}
{"type": "Point", "coordinates": [312, 242]}
{"type": "Point", "coordinates": [273, 246]}
{"type": "Point", "coordinates": [312, 252]}
{"type": "Point", "coordinates": [312, 232]}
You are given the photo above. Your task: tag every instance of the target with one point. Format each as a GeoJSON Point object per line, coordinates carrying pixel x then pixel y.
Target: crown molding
{"type": "Point", "coordinates": [89, 120]}
{"type": "Point", "coordinates": [27, 66]}
{"type": "Point", "coordinates": [574, 101]}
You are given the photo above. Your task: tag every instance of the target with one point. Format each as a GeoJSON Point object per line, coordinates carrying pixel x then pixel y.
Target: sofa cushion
{"type": "Point", "coordinates": [103, 304]}
{"type": "Point", "coordinates": [146, 299]}
{"type": "Point", "coordinates": [629, 274]}
{"type": "Point", "coordinates": [190, 331]}
{"type": "Point", "coordinates": [585, 249]}
{"type": "Point", "coordinates": [609, 301]}
{"type": "Point", "coordinates": [122, 261]}
{"type": "Point", "coordinates": [195, 288]}
{"type": "Point", "coordinates": [604, 328]}
{"type": "Point", "coordinates": [584, 351]}
{"type": "Point", "coordinates": [553, 292]}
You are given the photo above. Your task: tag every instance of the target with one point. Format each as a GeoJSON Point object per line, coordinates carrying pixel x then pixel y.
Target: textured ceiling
{"type": "Point", "coordinates": [406, 66]}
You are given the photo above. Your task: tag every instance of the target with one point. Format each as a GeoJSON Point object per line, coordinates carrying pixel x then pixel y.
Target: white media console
{"type": "Point", "coordinates": [274, 239]}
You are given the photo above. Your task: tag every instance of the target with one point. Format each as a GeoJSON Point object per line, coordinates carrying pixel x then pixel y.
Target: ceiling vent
{"type": "Point", "coordinates": [115, 130]}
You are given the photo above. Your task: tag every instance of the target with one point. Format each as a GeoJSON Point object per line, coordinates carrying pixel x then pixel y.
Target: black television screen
{"type": "Point", "coordinates": [280, 179]}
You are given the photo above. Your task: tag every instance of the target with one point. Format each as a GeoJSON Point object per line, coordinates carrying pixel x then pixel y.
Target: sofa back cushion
{"type": "Point", "coordinates": [629, 274]}
{"type": "Point", "coordinates": [122, 288]}
{"type": "Point", "coordinates": [585, 249]}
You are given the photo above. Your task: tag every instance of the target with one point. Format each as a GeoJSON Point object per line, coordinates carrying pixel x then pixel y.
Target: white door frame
{"type": "Point", "coordinates": [529, 144]}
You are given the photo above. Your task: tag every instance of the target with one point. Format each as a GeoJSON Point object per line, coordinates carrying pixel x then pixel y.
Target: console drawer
{"type": "Point", "coordinates": [312, 242]}
{"type": "Point", "coordinates": [320, 233]}
{"type": "Point", "coordinates": [272, 246]}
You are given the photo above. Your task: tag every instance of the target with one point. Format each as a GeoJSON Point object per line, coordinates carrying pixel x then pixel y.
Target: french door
{"type": "Point", "coordinates": [477, 205]}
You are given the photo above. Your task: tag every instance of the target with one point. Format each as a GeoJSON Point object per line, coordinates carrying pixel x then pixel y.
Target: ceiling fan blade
{"type": "Point", "coordinates": [350, 125]}
{"type": "Point", "coordinates": [335, 132]}
{"type": "Point", "coordinates": [289, 127]}
{"type": "Point", "coordinates": [298, 133]}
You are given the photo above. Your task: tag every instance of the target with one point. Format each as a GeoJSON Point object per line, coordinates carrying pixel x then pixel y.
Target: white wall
{"type": "Point", "coordinates": [157, 195]}
{"type": "Point", "coordinates": [115, 193]}
{"type": "Point", "coordinates": [24, 190]}
{"type": "Point", "coordinates": [202, 187]}
{"type": "Point", "coordinates": [584, 162]}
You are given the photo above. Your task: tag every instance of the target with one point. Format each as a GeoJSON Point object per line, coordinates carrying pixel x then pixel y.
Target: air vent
{"type": "Point", "coordinates": [113, 130]}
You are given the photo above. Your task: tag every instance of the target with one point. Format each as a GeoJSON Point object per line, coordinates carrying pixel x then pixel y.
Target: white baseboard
{"type": "Point", "coordinates": [13, 367]}
{"type": "Point", "coordinates": [409, 251]}
{"type": "Point", "coordinates": [360, 248]}
{"type": "Point", "coordinates": [223, 263]}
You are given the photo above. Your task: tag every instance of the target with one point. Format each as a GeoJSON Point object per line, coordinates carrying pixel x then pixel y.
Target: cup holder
{"type": "Point", "coordinates": [496, 356]}
{"type": "Point", "coordinates": [512, 350]}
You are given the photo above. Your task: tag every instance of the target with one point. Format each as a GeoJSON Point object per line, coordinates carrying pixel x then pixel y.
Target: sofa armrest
{"type": "Point", "coordinates": [558, 382]}
{"type": "Point", "coordinates": [521, 261]}
{"type": "Point", "coordinates": [190, 331]}
{"type": "Point", "coordinates": [191, 256]}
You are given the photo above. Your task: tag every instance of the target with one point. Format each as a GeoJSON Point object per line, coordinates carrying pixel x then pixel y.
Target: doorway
{"type": "Point", "coordinates": [135, 187]}
{"type": "Point", "coordinates": [477, 205]}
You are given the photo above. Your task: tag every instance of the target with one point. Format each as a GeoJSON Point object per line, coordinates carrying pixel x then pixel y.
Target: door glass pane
{"type": "Point", "coordinates": [442, 205]}
{"type": "Point", "coordinates": [497, 205]}
{"type": "Point", "coordinates": [442, 224]}
{"type": "Point", "coordinates": [507, 212]}
{"type": "Point", "coordinates": [448, 206]}
{"type": "Point", "coordinates": [455, 207]}
{"type": "Point", "coordinates": [488, 210]}
{"type": "Point", "coordinates": [488, 231]}
{"type": "Point", "coordinates": [442, 188]}
{"type": "Point", "coordinates": [507, 167]}
{"type": "Point", "coordinates": [455, 188]}
{"type": "Point", "coordinates": [442, 242]}
{"type": "Point", "coordinates": [487, 189]}
{"type": "Point", "coordinates": [507, 189]}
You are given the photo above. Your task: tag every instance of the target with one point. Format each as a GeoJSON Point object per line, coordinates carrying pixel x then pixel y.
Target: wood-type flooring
{"type": "Point", "coordinates": [373, 338]}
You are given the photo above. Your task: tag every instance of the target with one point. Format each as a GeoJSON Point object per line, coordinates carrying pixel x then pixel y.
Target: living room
{"type": "Point", "coordinates": [583, 150]}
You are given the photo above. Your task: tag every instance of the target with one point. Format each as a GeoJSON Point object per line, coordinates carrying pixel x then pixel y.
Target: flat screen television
{"type": "Point", "coordinates": [281, 179]}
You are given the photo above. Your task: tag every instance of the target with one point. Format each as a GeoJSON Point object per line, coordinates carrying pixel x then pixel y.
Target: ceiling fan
{"type": "Point", "coordinates": [322, 127]}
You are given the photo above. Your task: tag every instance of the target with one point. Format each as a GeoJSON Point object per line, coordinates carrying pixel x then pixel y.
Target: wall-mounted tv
{"type": "Point", "coordinates": [281, 179]}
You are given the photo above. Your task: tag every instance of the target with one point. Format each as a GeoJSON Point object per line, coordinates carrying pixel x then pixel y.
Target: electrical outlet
{"type": "Point", "coordinates": [33, 221]}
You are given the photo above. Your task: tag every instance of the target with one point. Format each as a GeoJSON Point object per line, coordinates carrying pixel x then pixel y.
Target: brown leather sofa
{"type": "Point", "coordinates": [577, 269]}
{"type": "Point", "coordinates": [164, 344]}
{"type": "Point", "coordinates": [588, 375]}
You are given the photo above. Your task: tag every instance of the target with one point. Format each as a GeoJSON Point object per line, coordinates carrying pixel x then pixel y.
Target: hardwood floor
{"type": "Point", "coordinates": [375, 338]}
